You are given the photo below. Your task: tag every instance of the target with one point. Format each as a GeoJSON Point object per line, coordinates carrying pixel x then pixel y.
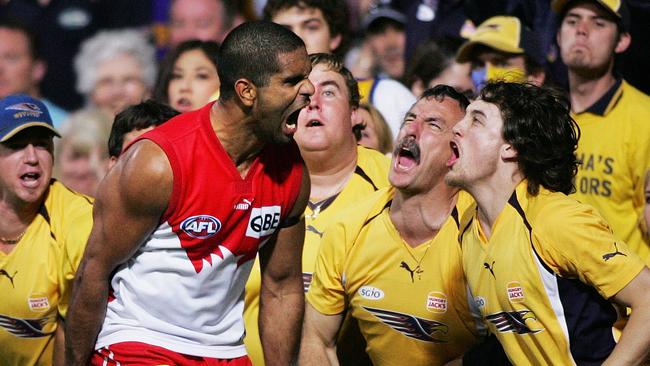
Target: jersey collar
{"type": "Point", "coordinates": [607, 102]}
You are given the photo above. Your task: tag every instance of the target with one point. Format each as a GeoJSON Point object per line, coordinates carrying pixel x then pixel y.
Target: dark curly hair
{"type": "Point", "coordinates": [442, 91]}
{"type": "Point", "coordinates": [149, 113]}
{"type": "Point", "coordinates": [335, 13]}
{"type": "Point", "coordinates": [538, 124]}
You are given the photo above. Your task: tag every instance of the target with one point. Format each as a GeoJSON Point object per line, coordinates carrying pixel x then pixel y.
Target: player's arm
{"type": "Point", "coordinates": [281, 293]}
{"type": "Point", "coordinates": [130, 201]}
{"type": "Point", "coordinates": [634, 344]}
{"type": "Point", "coordinates": [58, 355]}
{"type": "Point", "coordinates": [318, 344]}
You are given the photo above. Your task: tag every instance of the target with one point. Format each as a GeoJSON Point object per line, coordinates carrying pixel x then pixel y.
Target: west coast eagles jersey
{"type": "Point", "coordinates": [410, 303]}
{"type": "Point", "coordinates": [614, 148]}
{"type": "Point", "coordinates": [370, 174]}
{"type": "Point", "coordinates": [543, 278]}
{"type": "Point", "coordinates": [36, 277]}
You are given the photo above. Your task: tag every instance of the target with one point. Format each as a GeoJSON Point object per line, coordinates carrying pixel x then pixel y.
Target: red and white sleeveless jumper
{"type": "Point", "coordinates": [184, 287]}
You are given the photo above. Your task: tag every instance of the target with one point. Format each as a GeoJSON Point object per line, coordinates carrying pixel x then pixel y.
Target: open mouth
{"type": "Point", "coordinates": [183, 103]}
{"type": "Point", "coordinates": [455, 154]}
{"type": "Point", "coordinates": [291, 123]}
{"type": "Point", "coordinates": [30, 179]}
{"type": "Point", "coordinates": [407, 154]}
{"type": "Point", "coordinates": [314, 123]}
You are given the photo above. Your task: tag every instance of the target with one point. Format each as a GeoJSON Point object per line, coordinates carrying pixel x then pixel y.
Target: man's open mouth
{"type": "Point", "coordinates": [455, 154]}
{"type": "Point", "coordinates": [407, 153]}
{"type": "Point", "coordinates": [291, 123]}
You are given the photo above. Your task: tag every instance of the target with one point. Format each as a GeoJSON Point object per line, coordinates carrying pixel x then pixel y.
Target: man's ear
{"type": "Point", "coordinates": [335, 42]}
{"type": "Point", "coordinates": [246, 91]}
{"type": "Point", "coordinates": [354, 117]}
{"type": "Point", "coordinates": [38, 71]}
{"type": "Point", "coordinates": [508, 152]}
{"type": "Point", "coordinates": [623, 43]}
{"type": "Point", "coordinates": [537, 77]}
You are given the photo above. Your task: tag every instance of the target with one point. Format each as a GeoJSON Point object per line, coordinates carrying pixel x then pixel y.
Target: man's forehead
{"type": "Point", "coordinates": [588, 7]}
{"type": "Point", "coordinates": [480, 106]}
{"type": "Point", "coordinates": [322, 75]}
{"type": "Point", "coordinates": [431, 107]}
{"type": "Point", "coordinates": [297, 58]}
{"type": "Point", "coordinates": [31, 134]}
{"type": "Point", "coordinates": [439, 103]}
{"type": "Point", "coordinates": [301, 9]}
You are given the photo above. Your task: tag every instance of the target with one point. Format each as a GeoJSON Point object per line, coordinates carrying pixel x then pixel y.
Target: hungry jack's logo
{"type": "Point", "coordinates": [515, 292]}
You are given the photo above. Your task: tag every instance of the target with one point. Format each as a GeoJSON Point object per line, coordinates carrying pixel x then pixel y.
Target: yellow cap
{"type": "Point", "coordinates": [616, 8]}
{"type": "Point", "coordinates": [503, 33]}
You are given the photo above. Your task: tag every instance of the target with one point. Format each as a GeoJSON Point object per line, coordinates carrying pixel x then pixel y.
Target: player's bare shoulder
{"type": "Point", "coordinates": [142, 177]}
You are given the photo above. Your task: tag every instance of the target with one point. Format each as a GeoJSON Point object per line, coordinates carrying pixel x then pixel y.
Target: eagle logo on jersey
{"type": "Point", "coordinates": [513, 321]}
{"type": "Point", "coordinates": [411, 326]}
{"type": "Point", "coordinates": [616, 252]}
{"type": "Point", "coordinates": [24, 328]}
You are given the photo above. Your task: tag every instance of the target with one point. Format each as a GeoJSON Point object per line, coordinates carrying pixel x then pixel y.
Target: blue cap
{"type": "Point", "coordinates": [20, 111]}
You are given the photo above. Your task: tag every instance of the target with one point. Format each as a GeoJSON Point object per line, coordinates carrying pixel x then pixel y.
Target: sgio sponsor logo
{"type": "Point", "coordinates": [371, 293]}
{"type": "Point", "coordinates": [201, 226]}
{"type": "Point", "coordinates": [479, 301]}
{"type": "Point", "coordinates": [264, 221]}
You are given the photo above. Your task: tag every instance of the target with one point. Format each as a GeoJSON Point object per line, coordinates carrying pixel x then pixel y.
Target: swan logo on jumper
{"type": "Point", "coordinates": [201, 226]}
{"type": "Point", "coordinates": [264, 220]}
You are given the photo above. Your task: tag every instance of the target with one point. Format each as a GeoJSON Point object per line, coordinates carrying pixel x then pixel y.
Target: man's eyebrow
{"type": "Point", "coordinates": [330, 82]}
{"type": "Point", "coordinates": [597, 16]}
{"type": "Point", "coordinates": [313, 19]}
{"type": "Point", "coordinates": [476, 111]}
{"type": "Point", "coordinates": [294, 79]}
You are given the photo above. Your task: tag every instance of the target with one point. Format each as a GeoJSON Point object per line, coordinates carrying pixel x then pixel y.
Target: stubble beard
{"type": "Point", "coordinates": [455, 179]}
{"type": "Point", "coordinates": [578, 63]}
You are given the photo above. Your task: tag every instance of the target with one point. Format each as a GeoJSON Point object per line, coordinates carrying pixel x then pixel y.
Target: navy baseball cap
{"type": "Point", "coordinates": [20, 111]}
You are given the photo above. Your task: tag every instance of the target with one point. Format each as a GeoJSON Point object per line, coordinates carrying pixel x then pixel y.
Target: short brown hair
{"type": "Point", "coordinates": [333, 63]}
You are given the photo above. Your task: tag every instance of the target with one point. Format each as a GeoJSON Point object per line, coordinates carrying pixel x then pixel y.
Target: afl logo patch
{"type": "Point", "coordinates": [201, 226]}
